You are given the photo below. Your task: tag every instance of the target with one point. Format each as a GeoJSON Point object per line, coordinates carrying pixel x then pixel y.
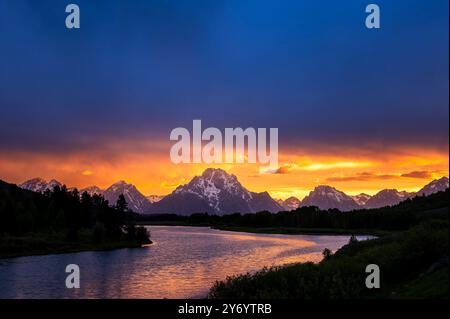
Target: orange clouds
{"type": "Point", "coordinates": [148, 166]}
{"type": "Point", "coordinates": [367, 176]}
{"type": "Point", "coordinates": [86, 173]}
{"type": "Point", "coordinates": [422, 174]}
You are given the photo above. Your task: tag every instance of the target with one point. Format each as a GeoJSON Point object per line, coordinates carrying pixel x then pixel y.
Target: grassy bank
{"type": "Point", "coordinates": [56, 243]}
{"type": "Point", "coordinates": [413, 264]}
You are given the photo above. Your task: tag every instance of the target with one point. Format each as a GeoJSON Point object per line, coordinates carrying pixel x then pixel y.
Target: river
{"type": "Point", "coordinates": [183, 262]}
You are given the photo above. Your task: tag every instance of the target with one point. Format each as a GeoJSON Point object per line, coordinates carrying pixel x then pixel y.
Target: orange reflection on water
{"type": "Point", "coordinates": [183, 262]}
{"type": "Point", "coordinates": [211, 255]}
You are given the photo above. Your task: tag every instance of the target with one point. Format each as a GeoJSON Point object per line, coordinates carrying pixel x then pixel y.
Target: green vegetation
{"type": "Point", "coordinates": [413, 264]}
{"type": "Point", "coordinates": [63, 221]}
{"type": "Point", "coordinates": [312, 220]}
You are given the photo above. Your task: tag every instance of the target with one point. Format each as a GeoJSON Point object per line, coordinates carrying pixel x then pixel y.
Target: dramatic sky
{"type": "Point", "coordinates": [357, 109]}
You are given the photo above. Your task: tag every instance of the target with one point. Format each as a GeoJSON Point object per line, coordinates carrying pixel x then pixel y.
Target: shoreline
{"type": "Point", "coordinates": [75, 249]}
{"type": "Point", "coordinates": [302, 231]}
{"type": "Point", "coordinates": [67, 247]}
{"type": "Point", "coordinates": [276, 230]}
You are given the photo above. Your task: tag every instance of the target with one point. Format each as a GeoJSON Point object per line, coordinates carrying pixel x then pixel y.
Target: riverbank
{"type": "Point", "coordinates": [275, 230]}
{"type": "Point", "coordinates": [50, 244]}
{"type": "Point", "coordinates": [303, 231]}
{"type": "Point", "coordinates": [413, 264]}
{"type": "Point", "coordinates": [161, 270]}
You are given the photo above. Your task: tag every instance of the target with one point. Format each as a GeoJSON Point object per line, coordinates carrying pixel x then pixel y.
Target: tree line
{"type": "Point", "coordinates": [60, 210]}
{"type": "Point", "coordinates": [398, 217]}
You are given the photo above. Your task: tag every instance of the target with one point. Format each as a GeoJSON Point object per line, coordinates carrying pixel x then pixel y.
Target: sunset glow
{"type": "Point", "coordinates": [154, 174]}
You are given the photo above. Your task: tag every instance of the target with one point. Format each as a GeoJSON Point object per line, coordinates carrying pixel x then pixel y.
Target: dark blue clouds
{"type": "Point", "coordinates": [136, 69]}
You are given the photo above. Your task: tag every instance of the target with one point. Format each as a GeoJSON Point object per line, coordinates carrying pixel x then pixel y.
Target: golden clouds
{"type": "Point", "coordinates": [86, 173]}
{"type": "Point", "coordinates": [150, 169]}
{"type": "Point", "coordinates": [298, 168]}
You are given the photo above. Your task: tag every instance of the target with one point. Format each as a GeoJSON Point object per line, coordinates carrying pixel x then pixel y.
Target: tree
{"type": "Point", "coordinates": [353, 239]}
{"type": "Point", "coordinates": [121, 204]}
{"type": "Point", "coordinates": [142, 235]}
{"type": "Point", "coordinates": [326, 254]}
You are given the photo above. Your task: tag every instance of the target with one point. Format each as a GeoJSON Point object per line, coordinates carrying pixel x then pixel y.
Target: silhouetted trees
{"type": "Point", "coordinates": [399, 217]}
{"type": "Point", "coordinates": [61, 210]}
{"type": "Point", "coordinates": [121, 204]}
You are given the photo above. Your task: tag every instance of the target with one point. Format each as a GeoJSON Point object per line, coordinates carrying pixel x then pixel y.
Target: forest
{"type": "Point", "coordinates": [62, 220]}
{"type": "Point", "coordinates": [399, 217]}
{"type": "Point", "coordinates": [412, 255]}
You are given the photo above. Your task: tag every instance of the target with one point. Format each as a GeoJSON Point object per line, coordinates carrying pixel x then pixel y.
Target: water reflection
{"type": "Point", "coordinates": [183, 262]}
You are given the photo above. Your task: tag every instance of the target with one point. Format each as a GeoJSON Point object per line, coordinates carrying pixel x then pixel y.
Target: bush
{"type": "Point", "coordinates": [403, 258]}
{"type": "Point", "coordinates": [99, 233]}
{"type": "Point", "coordinates": [143, 235]}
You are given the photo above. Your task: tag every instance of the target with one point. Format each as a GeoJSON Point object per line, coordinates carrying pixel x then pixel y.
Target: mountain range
{"type": "Point", "coordinates": [136, 201]}
{"type": "Point", "coordinates": [217, 192]}
{"type": "Point", "coordinates": [290, 203]}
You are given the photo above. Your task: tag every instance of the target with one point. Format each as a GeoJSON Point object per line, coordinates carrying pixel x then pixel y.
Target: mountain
{"type": "Point", "coordinates": [91, 190]}
{"type": "Point", "coordinates": [214, 192]}
{"type": "Point", "coordinates": [136, 201]}
{"type": "Point", "coordinates": [290, 203]}
{"type": "Point", "coordinates": [361, 199]}
{"type": "Point", "coordinates": [218, 192]}
{"type": "Point", "coordinates": [326, 197]}
{"type": "Point", "coordinates": [435, 186]}
{"type": "Point", "coordinates": [39, 185]}
{"type": "Point", "coordinates": [154, 198]}
{"type": "Point", "coordinates": [387, 197]}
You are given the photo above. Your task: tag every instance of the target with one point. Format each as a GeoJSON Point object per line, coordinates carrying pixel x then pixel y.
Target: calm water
{"type": "Point", "coordinates": [183, 262]}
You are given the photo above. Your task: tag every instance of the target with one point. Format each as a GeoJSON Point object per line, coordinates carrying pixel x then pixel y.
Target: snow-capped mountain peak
{"type": "Point", "coordinates": [212, 184]}
{"type": "Point", "coordinates": [387, 197]}
{"type": "Point", "coordinates": [39, 185]}
{"type": "Point", "coordinates": [216, 192]}
{"type": "Point", "coordinates": [433, 187]}
{"type": "Point", "coordinates": [361, 199]}
{"type": "Point", "coordinates": [290, 203]}
{"type": "Point", "coordinates": [327, 197]}
{"type": "Point", "coordinates": [92, 190]}
{"type": "Point", "coordinates": [137, 202]}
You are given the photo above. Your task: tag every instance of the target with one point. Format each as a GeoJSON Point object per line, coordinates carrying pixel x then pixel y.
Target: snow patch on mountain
{"type": "Point", "coordinates": [136, 201]}
{"type": "Point", "coordinates": [435, 186]}
{"type": "Point", "coordinates": [216, 192]}
{"type": "Point", "coordinates": [327, 197]}
{"type": "Point", "coordinates": [39, 185]}
{"type": "Point", "coordinates": [361, 199]}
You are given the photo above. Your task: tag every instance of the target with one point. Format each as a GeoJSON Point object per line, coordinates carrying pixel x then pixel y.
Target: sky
{"type": "Point", "coordinates": [357, 109]}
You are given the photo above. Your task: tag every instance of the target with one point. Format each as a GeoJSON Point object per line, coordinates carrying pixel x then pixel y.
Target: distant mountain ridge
{"type": "Point", "coordinates": [215, 192]}
{"type": "Point", "coordinates": [218, 192]}
{"type": "Point", "coordinates": [290, 203]}
{"type": "Point", "coordinates": [387, 197]}
{"type": "Point", "coordinates": [154, 198]}
{"type": "Point", "coordinates": [326, 197]}
{"type": "Point", "coordinates": [136, 201]}
{"type": "Point", "coordinates": [92, 190]}
{"type": "Point", "coordinates": [361, 199]}
{"type": "Point", "coordinates": [433, 187]}
{"type": "Point", "coordinates": [39, 185]}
